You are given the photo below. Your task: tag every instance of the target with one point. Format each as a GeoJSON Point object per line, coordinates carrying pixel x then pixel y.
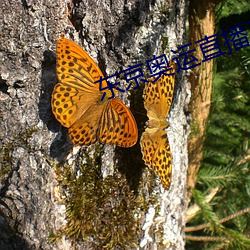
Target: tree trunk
{"type": "Point", "coordinates": [201, 19]}
{"type": "Point", "coordinates": [54, 195]}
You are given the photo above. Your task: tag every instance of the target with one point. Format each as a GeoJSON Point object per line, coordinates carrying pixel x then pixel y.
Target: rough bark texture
{"type": "Point", "coordinates": [201, 20]}
{"type": "Point", "coordinates": [116, 34]}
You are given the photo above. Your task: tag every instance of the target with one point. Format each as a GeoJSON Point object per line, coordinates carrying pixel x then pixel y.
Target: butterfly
{"type": "Point", "coordinates": [154, 141]}
{"type": "Point", "coordinates": [77, 105]}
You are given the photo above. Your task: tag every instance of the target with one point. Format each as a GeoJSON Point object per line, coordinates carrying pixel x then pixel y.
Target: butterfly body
{"type": "Point", "coordinates": [157, 123]}
{"type": "Point", "coordinates": [77, 104]}
{"type": "Point", "coordinates": [154, 141]}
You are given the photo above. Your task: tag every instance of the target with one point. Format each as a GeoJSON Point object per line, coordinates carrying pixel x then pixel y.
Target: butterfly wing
{"type": "Point", "coordinates": [156, 154]}
{"type": "Point", "coordinates": [117, 125]}
{"type": "Point", "coordinates": [85, 130]}
{"type": "Point", "coordinates": [75, 67]}
{"type": "Point", "coordinates": [158, 95]}
{"type": "Point", "coordinates": [69, 104]}
{"type": "Point", "coordinates": [76, 91]}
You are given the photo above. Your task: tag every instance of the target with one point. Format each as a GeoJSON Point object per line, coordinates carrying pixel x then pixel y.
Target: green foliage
{"type": "Point", "coordinates": [230, 7]}
{"type": "Point", "coordinates": [226, 155]}
{"type": "Point", "coordinates": [207, 211]}
{"type": "Point", "coordinates": [226, 162]}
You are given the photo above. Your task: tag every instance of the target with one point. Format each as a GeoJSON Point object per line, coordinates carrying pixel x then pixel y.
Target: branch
{"type": "Point", "coordinates": [205, 238]}
{"type": "Point", "coordinates": [194, 209]}
{"type": "Point", "coordinates": [245, 159]}
{"type": "Point", "coordinates": [230, 217]}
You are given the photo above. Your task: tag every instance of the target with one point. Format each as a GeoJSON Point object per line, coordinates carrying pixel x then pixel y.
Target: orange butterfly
{"type": "Point", "coordinates": [154, 141]}
{"type": "Point", "coordinates": [77, 105]}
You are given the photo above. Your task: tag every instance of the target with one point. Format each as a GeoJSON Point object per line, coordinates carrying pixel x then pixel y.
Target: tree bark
{"type": "Point", "coordinates": [44, 180]}
{"type": "Point", "coordinates": [202, 21]}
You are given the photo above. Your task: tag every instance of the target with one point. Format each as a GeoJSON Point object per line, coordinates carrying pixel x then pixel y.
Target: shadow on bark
{"type": "Point", "coordinates": [130, 159]}
{"type": "Point", "coordinates": [9, 239]}
{"type": "Point", "coordinates": [61, 145]}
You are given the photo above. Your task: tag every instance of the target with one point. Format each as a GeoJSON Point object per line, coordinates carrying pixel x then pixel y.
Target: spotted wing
{"type": "Point", "coordinates": [117, 125]}
{"type": "Point", "coordinates": [156, 154]}
{"type": "Point", "coordinates": [158, 95]}
{"type": "Point", "coordinates": [85, 130]}
{"type": "Point", "coordinates": [76, 90]}
{"type": "Point", "coordinates": [75, 67]}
